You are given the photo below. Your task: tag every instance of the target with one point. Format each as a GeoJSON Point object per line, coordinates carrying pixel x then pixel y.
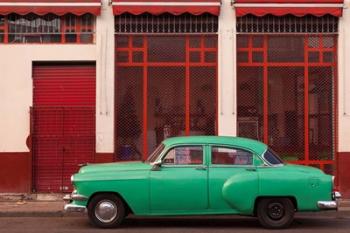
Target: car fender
{"type": "Point", "coordinates": [241, 190]}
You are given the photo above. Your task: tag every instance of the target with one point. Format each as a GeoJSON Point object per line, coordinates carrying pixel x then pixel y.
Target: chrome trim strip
{"type": "Point", "coordinates": [75, 197]}
{"type": "Point", "coordinates": [327, 205]}
{"type": "Point", "coordinates": [74, 208]}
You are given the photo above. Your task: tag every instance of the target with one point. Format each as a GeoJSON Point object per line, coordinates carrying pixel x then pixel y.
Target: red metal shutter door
{"type": "Point", "coordinates": [64, 123]}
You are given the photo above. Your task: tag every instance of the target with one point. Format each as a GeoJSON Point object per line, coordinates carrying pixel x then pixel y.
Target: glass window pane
{"type": "Point", "coordinates": [231, 156]}
{"type": "Point", "coordinates": [314, 57]}
{"type": "Point", "coordinates": [328, 57]}
{"type": "Point", "coordinates": [186, 155]}
{"type": "Point", "coordinates": [195, 42]}
{"type": "Point", "coordinates": [242, 41]}
{"type": "Point", "coordinates": [129, 102]}
{"type": "Point", "coordinates": [286, 111]}
{"type": "Point", "coordinates": [210, 42]}
{"type": "Point", "coordinates": [166, 103]}
{"type": "Point", "coordinates": [285, 49]}
{"type": "Point", "coordinates": [122, 41]}
{"type": "Point", "coordinates": [321, 115]}
{"type": "Point", "coordinates": [250, 102]}
{"type": "Point", "coordinates": [242, 56]}
{"type": "Point", "coordinates": [166, 49]}
{"type": "Point", "coordinates": [258, 41]}
{"type": "Point", "coordinates": [258, 57]}
{"type": "Point", "coordinates": [137, 56]}
{"type": "Point", "coordinates": [137, 42]}
{"type": "Point", "coordinates": [210, 57]}
{"type": "Point", "coordinates": [195, 56]}
{"type": "Point", "coordinates": [122, 56]}
{"type": "Point", "coordinates": [202, 100]}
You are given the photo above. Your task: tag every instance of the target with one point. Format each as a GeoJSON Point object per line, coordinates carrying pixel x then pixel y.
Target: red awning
{"type": "Point", "coordinates": [285, 7]}
{"type": "Point", "coordinates": [175, 7]}
{"type": "Point", "coordinates": [42, 7]}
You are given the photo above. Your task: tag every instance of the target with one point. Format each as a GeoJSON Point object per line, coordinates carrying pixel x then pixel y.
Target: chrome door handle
{"type": "Point", "coordinates": [251, 169]}
{"type": "Point", "coordinates": [201, 168]}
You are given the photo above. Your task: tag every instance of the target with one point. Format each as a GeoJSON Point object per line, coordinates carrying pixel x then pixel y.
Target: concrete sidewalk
{"type": "Point", "coordinates": [31, 208]}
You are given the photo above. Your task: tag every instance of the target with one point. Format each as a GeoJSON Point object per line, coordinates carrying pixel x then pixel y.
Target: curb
{"type": "Point", "coordinates": [61, 213]}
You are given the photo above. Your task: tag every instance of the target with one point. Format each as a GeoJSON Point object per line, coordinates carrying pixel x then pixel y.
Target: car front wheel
{"type": "Point", "coordinates": [275, 213]}
{"type": "Point", "coordinates": [106, 210]}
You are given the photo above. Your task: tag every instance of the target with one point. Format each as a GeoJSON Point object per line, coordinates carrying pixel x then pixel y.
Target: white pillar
{"type": "Point", "coordinates": [227, 70]}
{"type": "Point", "coordinates": [343, 80]}
{"type": "Point", "coordinates": [105, 80]}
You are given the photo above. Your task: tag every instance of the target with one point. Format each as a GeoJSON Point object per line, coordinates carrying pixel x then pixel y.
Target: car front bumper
{"type": "Point", "coordinates": [330, 205]}
{"type": "Point", "coordinates": [71, 207]}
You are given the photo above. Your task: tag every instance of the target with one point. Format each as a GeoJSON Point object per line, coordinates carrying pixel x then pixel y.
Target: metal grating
{"type": "Point", "coordinates": [287, 24]}
{"type": "Point", "coordinates": [166, 23]}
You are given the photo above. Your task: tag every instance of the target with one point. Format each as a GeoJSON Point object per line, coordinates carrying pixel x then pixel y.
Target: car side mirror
{"type": "Point", "coordinates": [156, 166]}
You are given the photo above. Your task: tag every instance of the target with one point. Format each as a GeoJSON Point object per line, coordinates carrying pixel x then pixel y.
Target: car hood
{"type": "Point", "coordinates": [118, 166]}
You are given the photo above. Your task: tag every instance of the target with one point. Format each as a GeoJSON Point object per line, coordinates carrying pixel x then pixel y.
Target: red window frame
{"type": "Point", "coordinates": [306, 64]}
{"type": "Point", "coordinates": [202, 49]}
{"type": "Point", "coordinates": [78, 29]}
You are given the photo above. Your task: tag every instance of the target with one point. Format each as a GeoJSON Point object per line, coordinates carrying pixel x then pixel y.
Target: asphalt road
{"type": "Point", "coordinates": [311, 223]}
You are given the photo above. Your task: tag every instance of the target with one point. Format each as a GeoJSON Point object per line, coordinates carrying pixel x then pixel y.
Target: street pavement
{"type": "Point", "coordinates": [302, 223]}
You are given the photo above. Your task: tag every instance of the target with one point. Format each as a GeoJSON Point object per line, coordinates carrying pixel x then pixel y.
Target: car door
{"type": "Point", "coordinates": [228, 165]}
{"type": "Point", "coordinates": [180, 185]}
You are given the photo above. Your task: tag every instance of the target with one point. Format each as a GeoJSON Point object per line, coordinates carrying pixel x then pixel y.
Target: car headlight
{"type": "Point", "coordinates": [72, 178]}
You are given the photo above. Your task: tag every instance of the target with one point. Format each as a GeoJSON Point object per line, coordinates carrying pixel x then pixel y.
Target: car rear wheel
{"type": "Point", "coordinates": [275, 213]}
{"type": "Point", "coordinates": [106, 210]}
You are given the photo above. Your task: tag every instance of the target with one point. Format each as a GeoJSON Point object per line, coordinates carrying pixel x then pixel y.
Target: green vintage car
{"type": "Point", "coordinates": [202, 175]}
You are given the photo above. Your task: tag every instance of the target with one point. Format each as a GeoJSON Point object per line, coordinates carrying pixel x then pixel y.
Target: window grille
{"type": "Point", "coordinates": [287, 24]}
{"type": "Point", "coordinates": [166, 23]}
{"type": "Point", "coordinates": [49, 28]}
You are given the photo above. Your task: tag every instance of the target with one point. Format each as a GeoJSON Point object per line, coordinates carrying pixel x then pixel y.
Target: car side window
{"type": "Point", "coordinates": [184, 155]}
{"type": "Point", "coordinates": [231, 156]}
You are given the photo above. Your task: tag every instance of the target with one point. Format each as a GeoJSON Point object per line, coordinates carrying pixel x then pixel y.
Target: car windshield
{"type": "Point", "coordinates": [152, 158]}
{"type": "Point", "coordinates": [271, 157]}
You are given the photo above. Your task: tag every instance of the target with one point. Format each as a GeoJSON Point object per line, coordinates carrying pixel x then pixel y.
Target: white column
{"type": "Point", "coordinates": [343, 80]}
{"type": "Point", "coordinates": [227, 70]}
{"type": "Point", "coordinates": [105, 80]}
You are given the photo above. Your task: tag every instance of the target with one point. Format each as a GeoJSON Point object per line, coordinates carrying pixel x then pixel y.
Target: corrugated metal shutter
{"type": "Point", "coordinates": [64, 123]}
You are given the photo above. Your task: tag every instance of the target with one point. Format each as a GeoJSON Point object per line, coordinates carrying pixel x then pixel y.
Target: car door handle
{"type": "Point", "coordinates": [251, 169]}
{"type": "Point", "coordinates": [201, 168]}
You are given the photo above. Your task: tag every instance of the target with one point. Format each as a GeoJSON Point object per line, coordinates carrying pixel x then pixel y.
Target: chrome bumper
{"type": "Point", "coordinates": [330, 205]}
{"type": "Point", "coordinates": [74, 208]}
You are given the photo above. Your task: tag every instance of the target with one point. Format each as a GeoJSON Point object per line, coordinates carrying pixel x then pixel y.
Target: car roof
{"type": "Point", "coordinates": [251, 144]}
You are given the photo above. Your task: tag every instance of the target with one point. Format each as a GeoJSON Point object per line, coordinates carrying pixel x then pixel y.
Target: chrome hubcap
{"type": "Point", "coordinates": [275, 211]}
{"type": "Point", "coordinates": [106, 211]}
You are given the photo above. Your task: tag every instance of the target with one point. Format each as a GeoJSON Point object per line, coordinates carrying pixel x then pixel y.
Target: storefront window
{"type": "Point", "coordinates": [286, 87]}
{"type": "Point", "coordinates": [176, 87]}
{"type": "Point", "coordinates": [49, 28]}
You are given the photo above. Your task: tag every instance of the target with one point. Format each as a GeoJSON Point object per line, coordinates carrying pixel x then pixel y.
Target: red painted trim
{"type": "Point", "coordinates": [306, 100]}
{"type": "Point", "coordinates": [145, 98]}
{"type": "Point", "coordinates": [104, 157]}
{"type": "Point", "coordinates": [15, 172]}
{"type": "Point", "coordinates": [265, 93]}
{"type": "Point", "coordinates": [174, 10]}
{"type": "Point", "coordinates": [187, 87]}
{"type": "Point", "coordinates": [296, 11]}
{"type": "Point", "coordinates": [335, 111]}
{"type": "Point", "coordinates": [344, 174]}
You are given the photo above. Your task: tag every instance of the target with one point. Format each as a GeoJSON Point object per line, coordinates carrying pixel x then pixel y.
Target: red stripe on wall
{"type": "Point", "coordinates": [15, 172]}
